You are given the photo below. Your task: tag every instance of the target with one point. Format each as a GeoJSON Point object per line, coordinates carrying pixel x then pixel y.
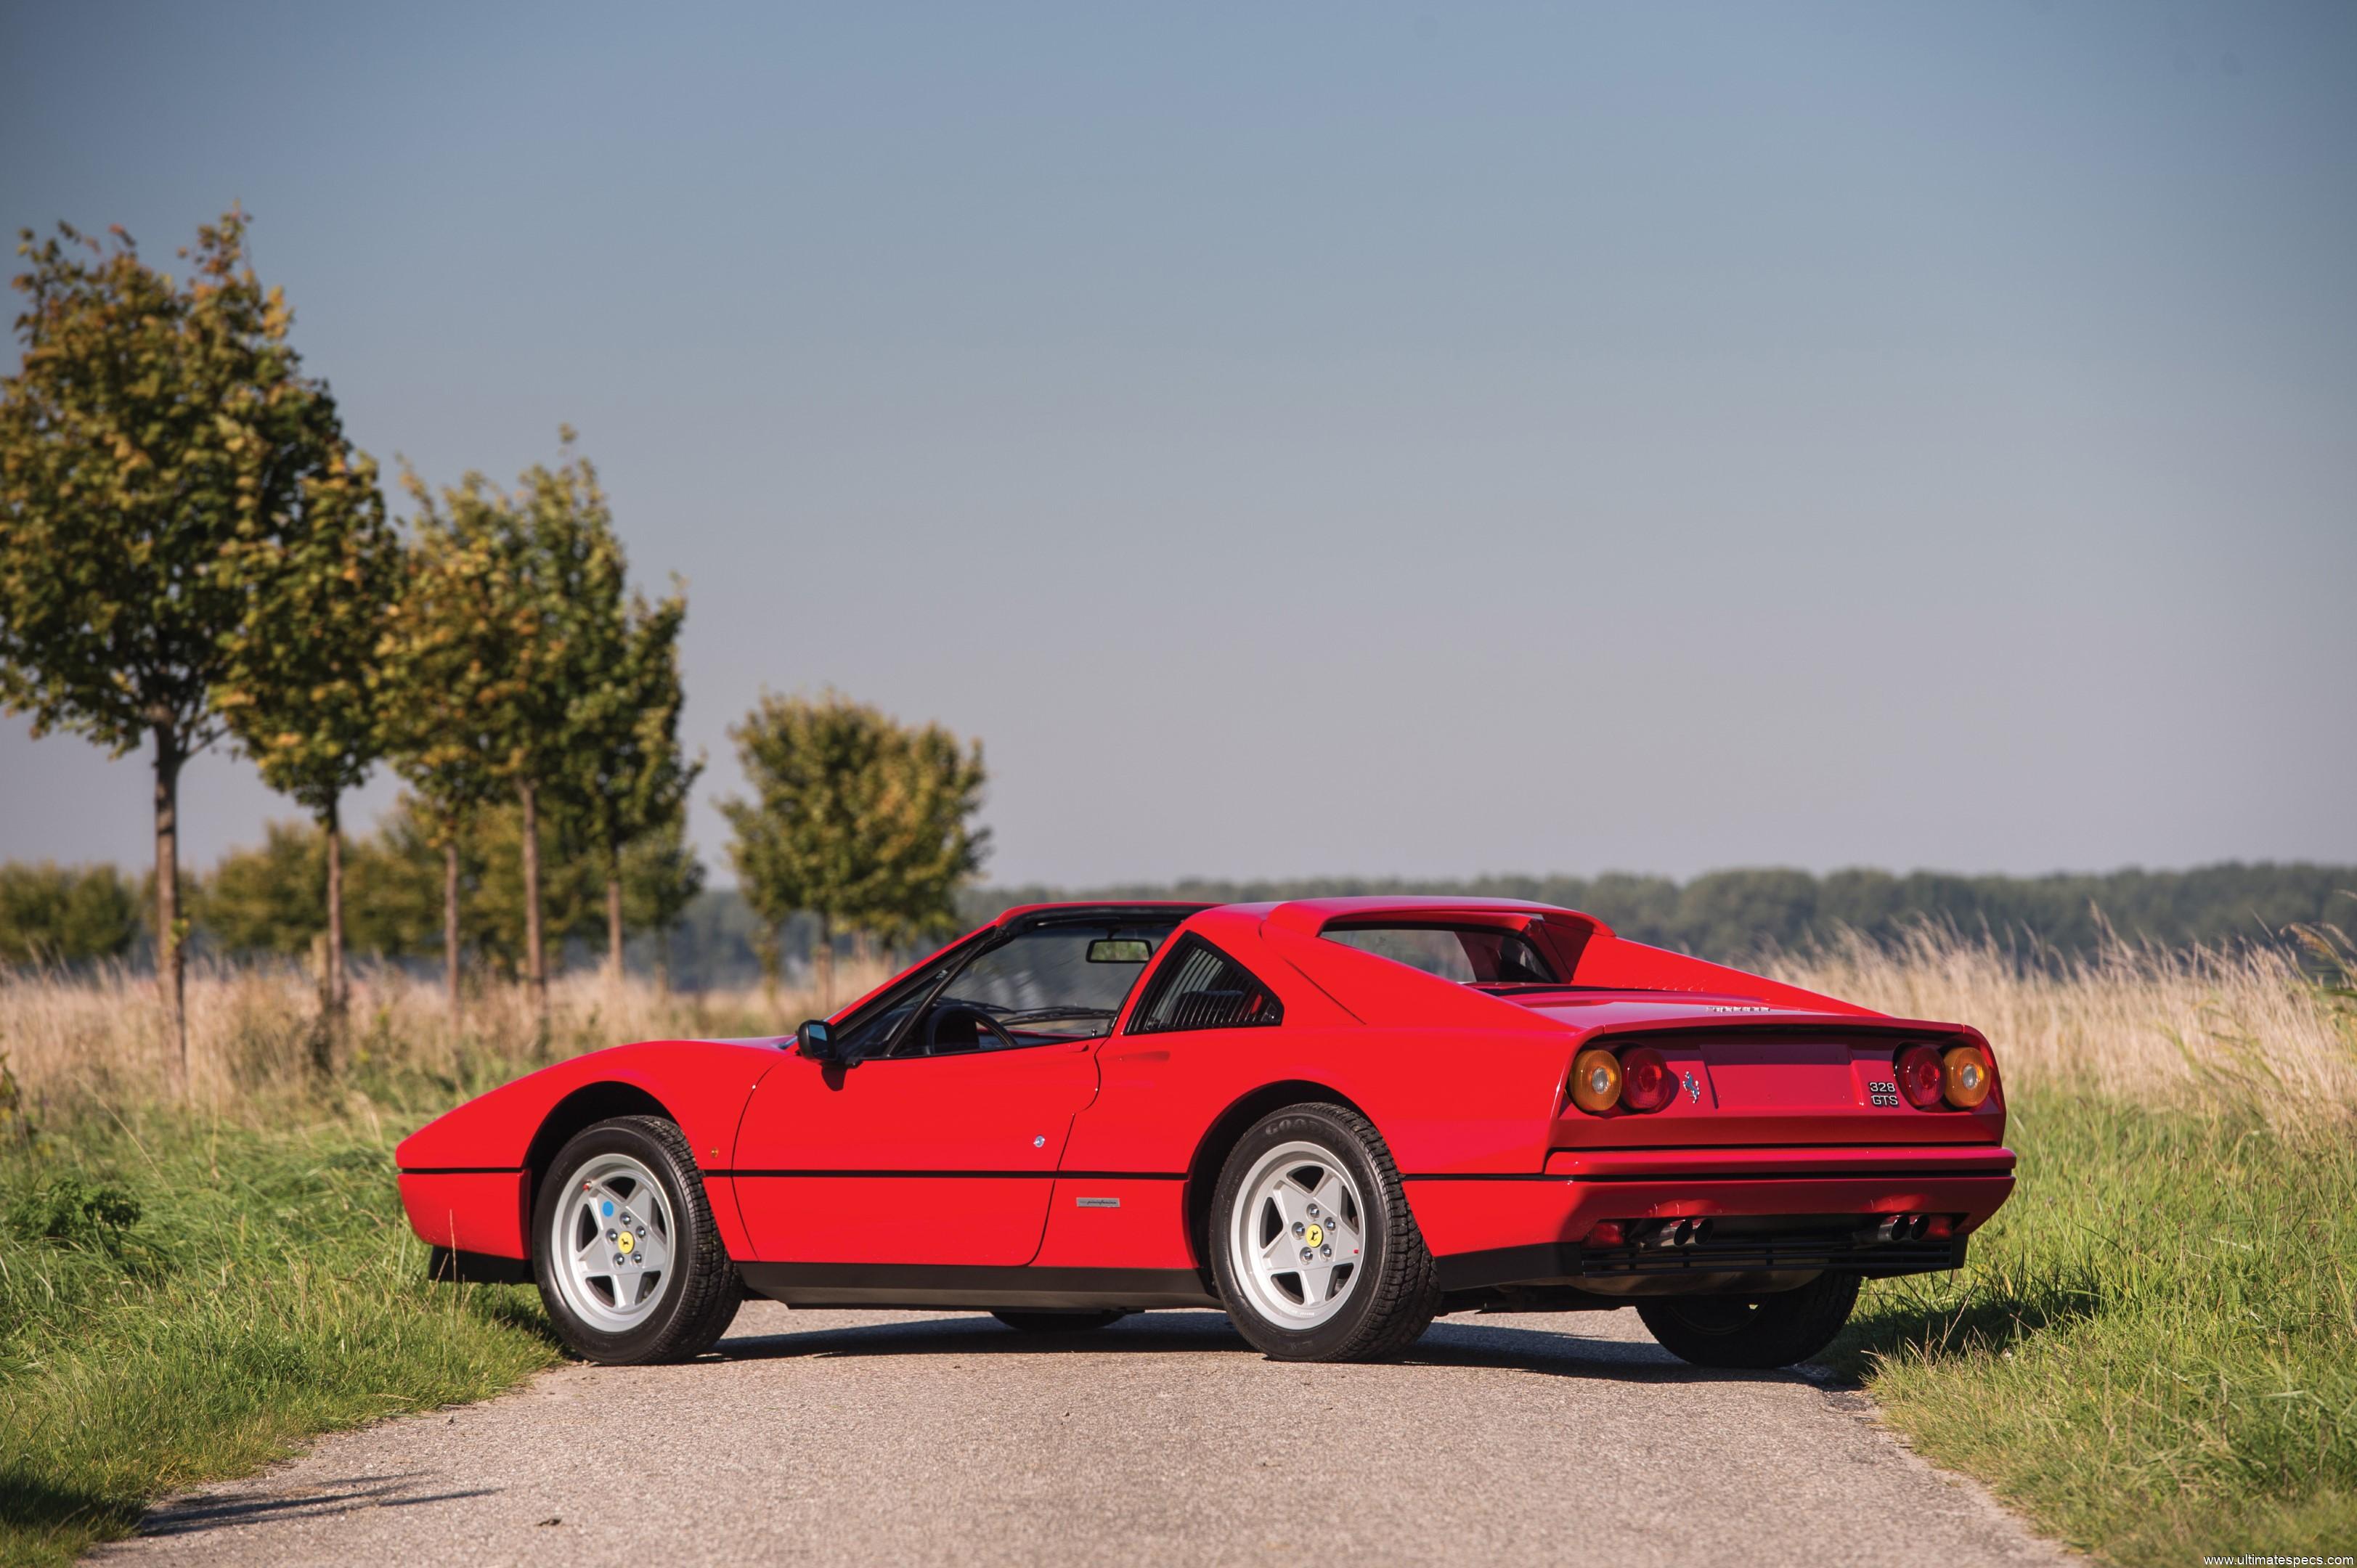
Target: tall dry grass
{"type": "Point", "coordinates": [2249, 1025]}
{"type": "Point", "coordinates": [82, 1042]}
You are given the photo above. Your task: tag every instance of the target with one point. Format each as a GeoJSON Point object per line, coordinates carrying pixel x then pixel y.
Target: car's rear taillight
{"type": "Point", "coordinates": [1646, 1081]}
{"type": "Point", "coordinates": [1965, 1076]}
{"type": "Point", "coordinates": [1921, 1078]}
{"type": "Point", "coordinates": [1595, 1081]}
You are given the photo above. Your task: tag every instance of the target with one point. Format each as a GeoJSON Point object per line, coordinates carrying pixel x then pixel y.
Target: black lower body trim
{"type": "Point", "coordinates": [981, 1288]}
{"type": "Point", "coordinates": [954, 1175]}
{"type": "Point", "coordinates": [477, 1268]}
{"type": "Point", "coordinates": [1568, 1262]}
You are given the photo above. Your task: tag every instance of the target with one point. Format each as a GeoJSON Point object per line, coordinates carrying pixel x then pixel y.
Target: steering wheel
{"type": "Point", "coordinates": [960, 1010]}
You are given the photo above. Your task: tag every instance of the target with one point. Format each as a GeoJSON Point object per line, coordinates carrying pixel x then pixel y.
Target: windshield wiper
{"type": "Point", "coordinates": [1048, 1014]}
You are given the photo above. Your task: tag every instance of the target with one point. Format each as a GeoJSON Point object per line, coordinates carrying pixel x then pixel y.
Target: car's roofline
{"type": "Point", "coordinates": [1311, 916]}
{"type": "Point", "coordinates": [1323, 910]}
{"type": "Point", "coordinates": [1114, 908]}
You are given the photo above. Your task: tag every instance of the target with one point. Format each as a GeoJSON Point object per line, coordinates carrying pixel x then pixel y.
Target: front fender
{"type": "Point", "coordinates": [466, 1177]}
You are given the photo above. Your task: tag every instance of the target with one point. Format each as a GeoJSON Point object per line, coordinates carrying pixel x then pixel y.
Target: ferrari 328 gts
{"type": "Point", "coordinates": [1333, 1119]}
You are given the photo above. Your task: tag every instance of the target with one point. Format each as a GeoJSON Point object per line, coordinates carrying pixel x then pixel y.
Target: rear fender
{"type": "Point", "coordinates": [1619, 964]}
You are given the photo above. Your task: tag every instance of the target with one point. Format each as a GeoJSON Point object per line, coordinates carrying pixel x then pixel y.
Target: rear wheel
{"type": "Point", "coordinates": [1752, 1331]}
{"type": "Point", "coordinates": [630, 1265]}
{"type": "Point", "coordinates": [1313, 1248]}
{"type": "Point", "coordinates": [1049, 1321]}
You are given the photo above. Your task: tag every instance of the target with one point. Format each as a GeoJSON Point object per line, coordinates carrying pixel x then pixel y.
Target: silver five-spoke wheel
{"type": "Point", "coordinates": [1298, 1235]}
{"type": "Point", "coordinates": [613, 1240]}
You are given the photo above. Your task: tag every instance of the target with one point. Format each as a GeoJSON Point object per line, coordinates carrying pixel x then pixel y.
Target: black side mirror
{"type": "Point", "coordinates": [817, 1045]}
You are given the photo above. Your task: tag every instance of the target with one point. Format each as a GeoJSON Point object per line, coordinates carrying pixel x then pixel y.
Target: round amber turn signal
{"type": "Point", "coordinates": [1595, 1081]}
{"type": "Point", "coordinates": [1965, 1077]}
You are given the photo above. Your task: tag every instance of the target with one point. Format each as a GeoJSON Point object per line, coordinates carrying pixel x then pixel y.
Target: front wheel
{"type": "Point", "coordinates": [1313, 1248]}
{"type": "Point", "coordinates": [1752, 1332]}
{"type": "Point", "coordinates": [630, 1265]}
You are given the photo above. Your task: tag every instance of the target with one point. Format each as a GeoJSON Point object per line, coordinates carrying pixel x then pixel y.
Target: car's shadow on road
{"type": "Point", "coordinates": [1466, 1342]}
{"type": "Point", "coordinates": [233, 1505]}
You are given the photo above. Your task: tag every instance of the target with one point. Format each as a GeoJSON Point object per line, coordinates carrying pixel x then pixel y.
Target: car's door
{"type": "Point", "coordinates": [941, 1147]}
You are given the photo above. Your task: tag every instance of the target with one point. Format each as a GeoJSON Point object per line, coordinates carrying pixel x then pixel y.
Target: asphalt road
{"type": "Point", "coordinates": [872, 1437]}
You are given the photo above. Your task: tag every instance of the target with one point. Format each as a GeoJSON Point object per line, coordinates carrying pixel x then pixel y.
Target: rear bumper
{"type": "Point", "coordinates": [1789, 1213]}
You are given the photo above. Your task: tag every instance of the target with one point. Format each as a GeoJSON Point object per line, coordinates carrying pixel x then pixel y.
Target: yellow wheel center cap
{"type": "Point", "coordinates": [1315, 1235]}
{"type": "Point", "coordinates": [629, 1243]}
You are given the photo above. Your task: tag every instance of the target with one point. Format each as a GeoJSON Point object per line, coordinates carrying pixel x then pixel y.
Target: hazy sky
{"type": "Point", "coordinates": [1310, 438]}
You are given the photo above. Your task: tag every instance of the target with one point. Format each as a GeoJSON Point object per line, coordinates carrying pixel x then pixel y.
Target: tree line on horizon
{"type": "Point", "coordinates": [1742, 913]}
{"type": "Point", "coordinates": [265, 900]}
{"type": "Point", "coordinates": [193, 552]}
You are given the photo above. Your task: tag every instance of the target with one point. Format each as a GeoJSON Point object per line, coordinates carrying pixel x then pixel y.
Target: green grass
{"type": "Point", "coordinates": [184, 1301]}
{"type": "Point", "coordinates": [2153, 1353]}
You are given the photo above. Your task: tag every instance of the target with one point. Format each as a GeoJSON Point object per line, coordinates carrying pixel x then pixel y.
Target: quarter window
{"type": "Point", "coordinates": [1199, 987]}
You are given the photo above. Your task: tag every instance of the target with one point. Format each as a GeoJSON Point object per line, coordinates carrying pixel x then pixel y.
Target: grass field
{"type": "Point", "coordinates": [2153, 1350]}
{"type": "Point", "coordinates": [185, 1300]}
{"type": "Point", "coordinates": [2149, 1354]}
{"type": "Point", "coordinates": [189, 1289]}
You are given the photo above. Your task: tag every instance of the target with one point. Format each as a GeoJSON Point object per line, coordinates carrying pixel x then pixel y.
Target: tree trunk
{"type": "Point", "coordinates": [331, 983]}
{"type": "Point", "coordinates": [614, 926]}
{"type": "Point", "coordinates": [171, 966]}
{"type": "Point", "coordinates": [450, 919]}
{"type": "Point", "coordinates": [822, 955]}
{"type": "Point", "coordinates": [768, 947]}
{"type": "Point", "coordinates": [536, 955]}
{"type": "Point", "coordinates": [662, 964]}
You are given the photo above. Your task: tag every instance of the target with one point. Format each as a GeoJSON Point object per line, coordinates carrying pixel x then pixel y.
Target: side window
{"type": "Point", "coordinates": [1199, 987]}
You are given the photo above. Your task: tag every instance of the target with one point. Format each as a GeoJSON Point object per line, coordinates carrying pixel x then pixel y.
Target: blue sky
{"type": "Point", "coordinates": [1314, 439]}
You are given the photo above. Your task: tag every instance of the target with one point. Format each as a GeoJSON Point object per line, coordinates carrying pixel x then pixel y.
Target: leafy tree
{"type": "Point", "coordinates": [929, 852]}
{"type": "Point", "coordinates": [660, 877]}
{"type": "Point", "coordinates": [855, 819]}
{"type": "Point", "coordinates": [450, 670]}
{"type": "Point", "coordinates": [568, 894]}
{"type": "Point", "coordinates": [153, 432]}
{"type": "Point", "coordinates": [302, 692]}
{"type": "Point", "coordinates": [398, 882]}
{"type": "Point", "coordinates": [627, 777]}
{"type": "Point", "coordinates": [402, 883]}
{"type": "Point", "coordinates": [269, 899]}
{"type": "Point", "coordinates": [504, 622]}
{"type": "Point", "coordinates": [53, 914]}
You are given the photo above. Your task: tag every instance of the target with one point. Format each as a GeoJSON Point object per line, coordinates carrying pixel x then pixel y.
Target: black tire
{"type": "Point", "coordinates": [1753, 1332]}
{"type": "Point", "coordinates": [698, 1302]}
{"type": "Point", "coordinates": [1396, 1292]}
{"type": "Point", "coordinates": [1050, 1322]}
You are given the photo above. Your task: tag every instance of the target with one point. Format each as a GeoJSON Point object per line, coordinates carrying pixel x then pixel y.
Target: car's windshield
{"type": "Point", "coordinates": [1473, 955]}
{"type": "Point", "coordinates": [1063, 981]}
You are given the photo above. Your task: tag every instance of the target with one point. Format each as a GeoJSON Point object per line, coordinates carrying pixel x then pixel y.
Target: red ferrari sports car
{"type": "Point", "coordinates": [1335, 1119]}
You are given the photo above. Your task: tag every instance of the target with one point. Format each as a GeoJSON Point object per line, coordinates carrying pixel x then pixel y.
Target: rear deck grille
{"type": "Point", "coordinates": [1791, 1250]}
